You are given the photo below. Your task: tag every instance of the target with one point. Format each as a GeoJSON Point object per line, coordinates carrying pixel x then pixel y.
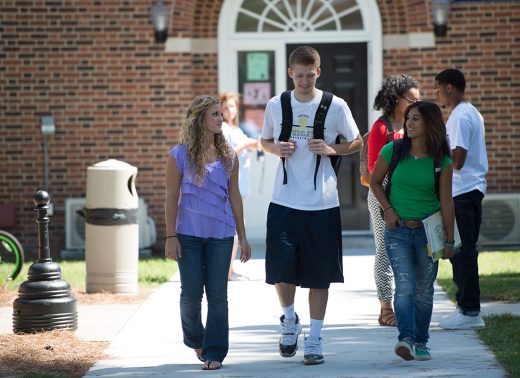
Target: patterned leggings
{"type": "Point", "coordinates": [383, 274]}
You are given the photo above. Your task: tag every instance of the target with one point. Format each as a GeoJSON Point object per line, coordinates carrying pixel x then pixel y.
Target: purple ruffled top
{"type": "Point", "coordinates": [204, 211]}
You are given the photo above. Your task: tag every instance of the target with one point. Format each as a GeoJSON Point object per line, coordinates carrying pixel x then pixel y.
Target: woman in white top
{"type": "Point", "coordinates": [242, 145]}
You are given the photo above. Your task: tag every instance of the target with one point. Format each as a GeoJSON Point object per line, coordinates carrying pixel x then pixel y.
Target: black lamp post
{"type": "Point", "coordinates": [44, 301]}
{"type": "Point", "coordinates": [160, 15]}
{"type": "Point", "coordinates": [440, 11]}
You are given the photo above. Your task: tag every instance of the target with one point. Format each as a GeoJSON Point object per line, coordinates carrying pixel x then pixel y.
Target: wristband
{"type": "Point", "coordinates": [449, 244]}
{"type": "Point", "coordinates": [389, 207]}
{"type": "Point", "coordinates": [171, 236]}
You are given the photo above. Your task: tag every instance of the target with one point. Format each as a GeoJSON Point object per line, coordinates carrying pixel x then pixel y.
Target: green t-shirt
{"type": "Point", "coordinates": [413, 185]}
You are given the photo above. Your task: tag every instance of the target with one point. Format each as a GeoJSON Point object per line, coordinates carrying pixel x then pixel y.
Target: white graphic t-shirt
{"type": "Point", "coordinates": [299, 191]}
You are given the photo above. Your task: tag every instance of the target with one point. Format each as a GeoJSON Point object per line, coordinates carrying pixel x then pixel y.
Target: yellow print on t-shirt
{"type": "Point", "coordinates": [303, 120]}
{"type": "Point", "coordinates": [302, 130]}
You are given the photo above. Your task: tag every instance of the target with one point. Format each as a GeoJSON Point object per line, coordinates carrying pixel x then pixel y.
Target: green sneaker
{"type": "Point", "coordinates": [422, 352]}
{"type": "Point", "coordinates": [404, 349]}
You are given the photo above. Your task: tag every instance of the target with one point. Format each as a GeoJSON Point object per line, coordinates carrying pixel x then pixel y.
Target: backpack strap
{"type": "Point", "coordinates": [437, 168]}
{"type": "Point", "coordinates": [396, 156]}
{"type": "Point", "coordinates": [319, 126]}
{"type": "Point", "coordinates": [287, 120]}
{"type": "Point", "coordinates": [321, 113]}
{"type": "Point", "coordinates": [287, 116]}
{"type": "Point", "coordinates": [389, 128]}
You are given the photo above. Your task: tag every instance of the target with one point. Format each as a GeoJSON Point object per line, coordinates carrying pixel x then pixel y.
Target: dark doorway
{"type": "Point", "coordinates": [344, 73]}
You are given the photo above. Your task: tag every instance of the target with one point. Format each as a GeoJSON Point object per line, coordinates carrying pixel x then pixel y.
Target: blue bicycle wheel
{"type": "Point", "coordinates": [11, 255]}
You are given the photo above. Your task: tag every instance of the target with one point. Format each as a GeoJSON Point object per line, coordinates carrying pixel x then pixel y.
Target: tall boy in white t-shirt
{"type": "Point", "coordinates": [465, 128]}
{"type": "Point", "coordinates": [303, 220]}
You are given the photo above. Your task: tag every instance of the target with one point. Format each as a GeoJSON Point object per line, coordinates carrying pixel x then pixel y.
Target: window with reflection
{"type": "Point", "coordinates": [298, 16]}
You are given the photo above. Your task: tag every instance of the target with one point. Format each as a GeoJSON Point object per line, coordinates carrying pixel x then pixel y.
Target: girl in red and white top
{"type": "Point", "coordinates": [396, 93]}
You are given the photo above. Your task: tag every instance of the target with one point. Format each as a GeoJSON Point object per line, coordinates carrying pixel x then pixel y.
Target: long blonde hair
{"type": "Point", "coordinates": [193, 135]}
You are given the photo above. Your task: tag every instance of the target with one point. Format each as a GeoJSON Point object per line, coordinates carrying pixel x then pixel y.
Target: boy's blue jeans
{"type": "Point", "coordinates": [204, 265]}
{"type": "Point", "coordinates": [414, 275]}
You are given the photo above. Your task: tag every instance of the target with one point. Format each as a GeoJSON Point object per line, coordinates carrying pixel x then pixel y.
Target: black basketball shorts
{"type": "Point", "coordinates": [303, 247]}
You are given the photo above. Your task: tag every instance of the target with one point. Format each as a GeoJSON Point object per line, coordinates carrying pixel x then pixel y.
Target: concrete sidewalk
{"type": "Point", "coordinates": [149, 342]}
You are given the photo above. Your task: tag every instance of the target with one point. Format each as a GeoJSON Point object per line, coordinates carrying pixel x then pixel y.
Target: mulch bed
{"type": "Point", "coordinates": [57, 352]}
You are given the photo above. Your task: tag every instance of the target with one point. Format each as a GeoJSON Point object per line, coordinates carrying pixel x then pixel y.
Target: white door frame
{"type": "Point", "coordinates": [230, 43]}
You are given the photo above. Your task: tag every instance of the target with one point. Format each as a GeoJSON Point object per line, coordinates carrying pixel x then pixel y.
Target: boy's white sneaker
{"type": "Point", "coordinates": [313, 354]}
{"type": "Point", "coordinates": [457, 320]}
{"type": "Point", "coordinates": [291, 329]}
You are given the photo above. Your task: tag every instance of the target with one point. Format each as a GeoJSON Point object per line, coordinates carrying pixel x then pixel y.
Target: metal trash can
{"type": "Point", "coordinates": [111, 228]}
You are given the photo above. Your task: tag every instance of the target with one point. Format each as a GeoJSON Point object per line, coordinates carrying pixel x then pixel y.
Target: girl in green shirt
{"type": "Point", "coordinates": [412, 198]}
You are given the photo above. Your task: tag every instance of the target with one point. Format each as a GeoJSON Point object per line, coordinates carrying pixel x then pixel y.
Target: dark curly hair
{"type": "Point", "coordinates": [392, 88]}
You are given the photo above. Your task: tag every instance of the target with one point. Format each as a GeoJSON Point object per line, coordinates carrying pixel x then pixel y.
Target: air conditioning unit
{"type": "Point", "coordinates": [75, 225]}
{"type": "Point", "coordinates": [500, 220]}
{"type": "Point", "coordinates": [147, 230]}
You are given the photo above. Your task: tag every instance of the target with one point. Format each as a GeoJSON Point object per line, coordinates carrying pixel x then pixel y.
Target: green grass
{"type": "Point", "coordinates": [156, 271]}
{"type": "Point", "coordinates": [499, 276]}
{"type": "Point", "coordinates": [502, 336]}
{"type": "Point", "coordinates": [151, 272]}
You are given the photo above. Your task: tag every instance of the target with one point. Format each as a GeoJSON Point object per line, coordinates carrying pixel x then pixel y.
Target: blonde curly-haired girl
{"type": "Point", "coordinates": [203, 211]}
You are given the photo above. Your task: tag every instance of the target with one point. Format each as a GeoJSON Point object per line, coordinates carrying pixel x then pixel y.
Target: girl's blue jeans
{"type": "Point", "coordinates": [414, 276]}
{"type": "Point", "coordinates": [204, 265]}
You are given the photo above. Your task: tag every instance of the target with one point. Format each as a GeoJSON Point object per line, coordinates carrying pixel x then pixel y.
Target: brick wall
{"type": "Point", "coordinates": [483, 41]}
{"type": "Point", "coordinates": [113, 91]}
{"type": "Point", "coordinates": [117, 94]}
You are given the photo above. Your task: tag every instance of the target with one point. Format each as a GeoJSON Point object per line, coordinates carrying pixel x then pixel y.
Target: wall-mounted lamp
{"type": "Point", "coordinates": [159, 15]}
{"type": "Point", "coordinates": [440, 11]}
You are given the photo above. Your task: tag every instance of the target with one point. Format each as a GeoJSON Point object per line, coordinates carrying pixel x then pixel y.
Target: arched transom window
{"type": "Point", "coordinates": [298, 16]}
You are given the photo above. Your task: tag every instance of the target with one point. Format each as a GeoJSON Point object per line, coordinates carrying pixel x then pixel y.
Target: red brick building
{"type": "Point", "coordinates": [116, 93]}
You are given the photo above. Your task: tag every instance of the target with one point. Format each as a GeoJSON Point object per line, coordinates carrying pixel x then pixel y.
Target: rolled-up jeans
{"type": "Point", "coordinates": [414, 275]}
{"type": "Point", "coordinates": [204, 265]}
